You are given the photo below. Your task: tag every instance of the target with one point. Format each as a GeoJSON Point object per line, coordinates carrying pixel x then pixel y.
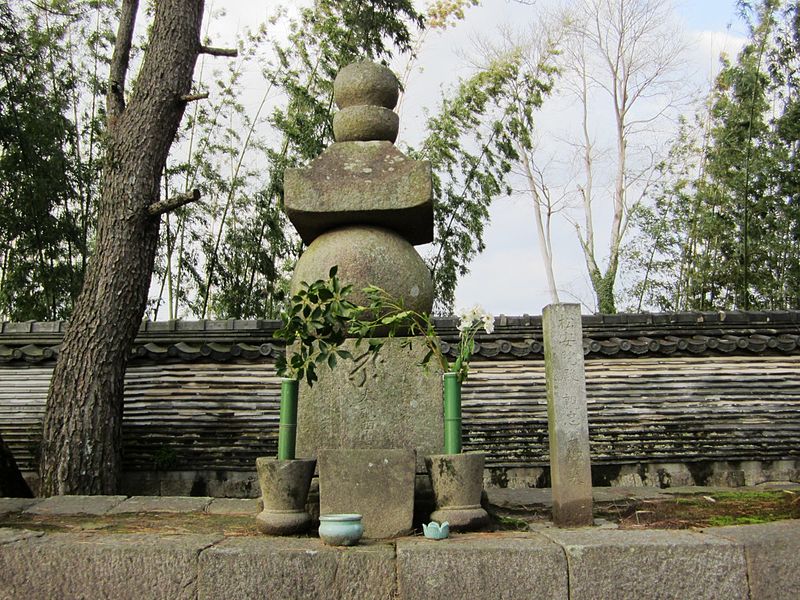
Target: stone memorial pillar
{"type": "Point", "coordinates": [567, 422]}
{"type": "Point", "coordinates": [362, 205]}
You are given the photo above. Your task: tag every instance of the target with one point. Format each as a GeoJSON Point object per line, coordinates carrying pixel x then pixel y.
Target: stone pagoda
{"type": "Point", "coordinates": [362, 205]}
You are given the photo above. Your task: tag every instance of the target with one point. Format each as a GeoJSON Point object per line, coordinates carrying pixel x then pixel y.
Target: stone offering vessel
{"type": "Point", "coordinates": [284, 489]}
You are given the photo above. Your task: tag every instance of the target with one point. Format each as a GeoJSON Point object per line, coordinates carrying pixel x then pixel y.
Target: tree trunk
{"type": "Point", "coordinates": [81, 445]}
{"type": "Point", "coordinates": [12, 484]}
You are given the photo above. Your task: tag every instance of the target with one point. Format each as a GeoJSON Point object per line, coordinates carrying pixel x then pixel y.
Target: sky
{"type": "Point", "coordinates": [508, 278]}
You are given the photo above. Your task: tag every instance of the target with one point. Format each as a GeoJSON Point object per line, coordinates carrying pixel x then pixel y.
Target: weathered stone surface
{"type": "Point", "coordinates": [12, 505]}
{"type": "Point", "coordinates": [377, 484]}
{"type": "Point", "coordinates": [284, 490]}
{"type": "Point", "coordinates": [101, 566]}
{"type": "Point", "coordinates": [75, 505]}
{"type": "Point", "coordinates": [514, 566]}
{"type": "Point", "coordinates": [9, 535]}
{"type": "Point", "coordinates": [366, 183]}
{"type": "Point", "coordinates": [631, 565]}
{"type": "Point", "coordinates": [520, 498]}
{"type": "Point", "coordinates": [365, 124]}
{"type": "Point", "coordinates": [457, 481]}
{"type": "Point", "coordinates": [365, 82]}
{"type": "Point", "coordinates": [391, 402]}
{"type": "Point", "coordinates": [368, 256]}
{"type": "Point", "coordinates": [215, 483]}
{"type": "Point", "coordinates": [233, 506]}
{"type": "Point", "coordinates": [772, 551]}
{"type": "Point", "coordinates": [567, 422]}
{"type": "Point", "coordinates": [284, 483]}
{"type": "Point", "coordinates": [296, 568]}
{"type": "Point", "coordinates": [175, 504]}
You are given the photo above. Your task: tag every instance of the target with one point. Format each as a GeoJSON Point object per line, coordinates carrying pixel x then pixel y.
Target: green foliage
{"type": "Point", "coordinates": [165, 458]}
{"type": "Point", "coordinates": [316, 324]}
{"type": "Point", "coordinates": [473, 141]}
{"type": "Point", "coordinates": [387, 316]}
{"type": "Point", "coordinates": [728, 520]}
{"type": "Point", "coordinates": [50, 137]}
{"type": "Point", "coordinates": [230, 255]}
{"type": "Point", "coordinates": [725, 225]}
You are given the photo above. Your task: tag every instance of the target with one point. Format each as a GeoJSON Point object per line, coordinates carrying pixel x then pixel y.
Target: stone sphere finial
{"type": "Point", "coordinates": [366, 93]}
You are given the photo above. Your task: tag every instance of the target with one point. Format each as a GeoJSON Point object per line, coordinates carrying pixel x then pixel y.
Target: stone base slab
{"type": "Point", "coordinates": [651, 564]}
{"type": "Point", "coordinates": [751, 561]}
{"type": "Point", "coordinates": [377, 484]}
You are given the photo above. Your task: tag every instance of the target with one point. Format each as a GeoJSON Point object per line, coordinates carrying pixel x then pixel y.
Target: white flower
{"type": "Point", "coordinates": [466, 320]}
{"type": "Point", "coordinates": [464, 325]}
{"type": "Point", "coordinates": [488, 322]}
{"type": "Point", "coordinates": [476, 313]}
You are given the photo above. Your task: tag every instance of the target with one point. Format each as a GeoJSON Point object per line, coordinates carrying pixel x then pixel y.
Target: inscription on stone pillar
{"type": "Point", "coordinates": [567, 422]}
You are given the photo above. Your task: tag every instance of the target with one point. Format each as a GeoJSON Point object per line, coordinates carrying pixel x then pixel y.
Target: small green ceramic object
{"type": "Point", "coordinates": [434, 531]}
{"type": "Point", "coordinates": [340, 530]}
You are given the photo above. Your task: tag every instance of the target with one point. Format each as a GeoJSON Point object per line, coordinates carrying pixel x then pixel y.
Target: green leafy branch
{"type": "Point", "coordinates": [390, 317]}
{"type": "Point", "coordinates": [316, 321]}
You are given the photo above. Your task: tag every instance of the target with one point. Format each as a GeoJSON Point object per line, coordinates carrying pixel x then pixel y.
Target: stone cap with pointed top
{"type": "Point", "coordinates": [366, 93]}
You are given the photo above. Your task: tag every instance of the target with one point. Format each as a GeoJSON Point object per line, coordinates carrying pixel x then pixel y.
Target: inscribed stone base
{"type": "Point", "coordinates": [377, 484]}
{"type": "Point", "coordinates": [390, 402]}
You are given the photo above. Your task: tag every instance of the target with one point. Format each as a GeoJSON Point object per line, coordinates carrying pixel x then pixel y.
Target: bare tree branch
{"type": "Point", "coordinates": [230, 52]}
{"type": "Point", "coordinates": [115, 97]}
{"type": "Point", "coordinates": [169, 204]}
{"type": "Point", "coordinates": [194, 97]}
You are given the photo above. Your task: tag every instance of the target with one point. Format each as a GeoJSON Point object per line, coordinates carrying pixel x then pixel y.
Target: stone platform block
{"type": "Point", "coordinates": [9, 535]}
{"type": "Point", "coordinates": [377, 484]}
{"type": "Point", "coordinates": [508, 566]}
{"type": "Point", "coordinates": [15, 505]}
{"type": "Point", "coordinates": [234, 506]}
{"type": "Point", "coordinates": [772, 551]}
{"type": "Point", "coordinates": [389, 403]}
{"type": "Point", "coordinates": [75, 505]}
{"type": "Point", "coordinates": [632, 565]}
{"type": "Point", "coordinates": [296, 568]}
{"type": "Point", "coordinates": [160, 504]}
{"type": "Point", "coordinates": [135, 567]}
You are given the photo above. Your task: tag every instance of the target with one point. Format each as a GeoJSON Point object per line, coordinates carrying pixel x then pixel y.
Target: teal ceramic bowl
{"type": "Point", "coordinates": [435, 531]}
{"type": "Point", "coordinates": [340, 530]}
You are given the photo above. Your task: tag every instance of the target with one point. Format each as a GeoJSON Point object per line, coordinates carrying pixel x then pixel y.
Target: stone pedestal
{"type": "Point", "coordinates": [377, 484]}
{"type": "Point", "coordinates": [284, 489]}
{"type": "Point", "coordinates": [567, 422]}
{"type": "Point", "coordinates": [457, 481]}
{"type": "Point", "coordinates": [389, 403]}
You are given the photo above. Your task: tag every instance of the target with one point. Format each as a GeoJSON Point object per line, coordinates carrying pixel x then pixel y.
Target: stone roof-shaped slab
{"type": "Point", "coordinates": [361, 183]}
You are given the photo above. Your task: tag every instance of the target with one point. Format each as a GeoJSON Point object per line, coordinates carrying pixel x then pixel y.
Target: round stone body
{"type": "Point", "coordinates": [365, 256]}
